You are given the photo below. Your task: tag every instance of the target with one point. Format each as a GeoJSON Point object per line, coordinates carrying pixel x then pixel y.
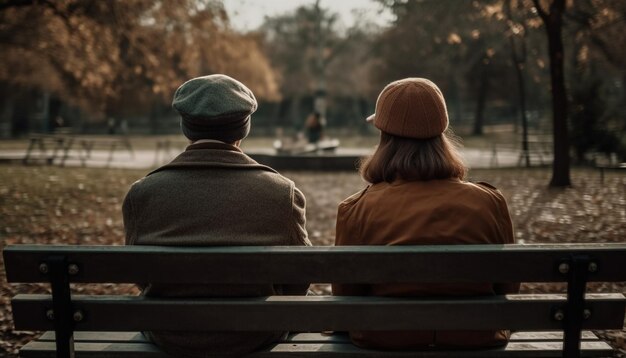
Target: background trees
{"type": "Point", "coordinates": [317, 57]}
{"type": "Point", "coordinates": [460, 46]}
{"type": "Point", "coordinates": [491, 58]}
{"type": "Point", "coordinates": [597, 67]}
{"type": "Point", "coordinates": [581, 48]}
{"type": "Point", "coordinates": [111, 57]}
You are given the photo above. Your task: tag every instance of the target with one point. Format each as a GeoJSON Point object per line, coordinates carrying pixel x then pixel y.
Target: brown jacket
{"type": "Point", "coordinates": [436, 212]}
{"type": "Point", "coordinates": [214, 195]}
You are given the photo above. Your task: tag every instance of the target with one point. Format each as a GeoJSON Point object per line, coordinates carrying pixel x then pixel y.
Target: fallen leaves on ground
{"type": "Point", "coordinates": [51, 205]}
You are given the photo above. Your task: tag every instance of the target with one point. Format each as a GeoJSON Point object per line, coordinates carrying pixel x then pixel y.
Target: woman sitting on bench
{"type": "Point", "coordinates": [417, 196]}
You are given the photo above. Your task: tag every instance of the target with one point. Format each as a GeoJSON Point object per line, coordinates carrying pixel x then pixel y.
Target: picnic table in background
{"type": "Point", "coordinates": [609, 166]}
{"type": "Point", "coordinates": [539, 150]}
{"type": "Point", "coordinates": [57, 147]}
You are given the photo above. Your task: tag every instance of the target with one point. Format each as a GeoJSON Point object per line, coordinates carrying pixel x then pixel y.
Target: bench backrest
{"type": "Point", "coordinates": [574, 264]}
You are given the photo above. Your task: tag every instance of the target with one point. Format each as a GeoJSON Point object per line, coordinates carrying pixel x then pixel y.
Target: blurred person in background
{"type": "Point", "coordinates": [417, 195]}
{"type": "Point", "coordinates": [314, 127]}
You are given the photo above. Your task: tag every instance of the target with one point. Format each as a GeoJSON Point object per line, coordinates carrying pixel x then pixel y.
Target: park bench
{"type": "Point", "coordinates": [609, 167]}
{"type": "Point", "coordinates": [48, 147]}
{"type": "Point", "coordinates": [167, 149]}
{"type": "Point", "coordinates": [547, 325]}
{"type": "Point", "coordinates": [107, 143]}
{"type": "Point", "coordinates": [539, 152]}
{"type": "Point", "coordinates": [57, 147]}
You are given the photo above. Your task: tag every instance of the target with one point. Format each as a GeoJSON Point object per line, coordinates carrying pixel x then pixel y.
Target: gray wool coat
{"type": "Point", "coordinates": [213, 194]}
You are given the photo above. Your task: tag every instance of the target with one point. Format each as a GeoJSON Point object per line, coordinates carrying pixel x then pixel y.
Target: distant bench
{"type": "Point", "coordinates": [56, 147]}
{"type": "Point", "coordinates": [538, 150]}
{"type": "Point", "coordinates": [167, 149]}
{"type": "Point", "coordinates": [609, 167]}
{"type": "Point", "coordinates": [117, 319]}
{"type": "Point", "coordinates": [48, 147]}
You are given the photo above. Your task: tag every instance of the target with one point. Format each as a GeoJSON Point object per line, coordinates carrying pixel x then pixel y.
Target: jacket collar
{"type": "Point", "coordinates": [213, 145]}
{"type": "Point", "coordinates": [213, 155]}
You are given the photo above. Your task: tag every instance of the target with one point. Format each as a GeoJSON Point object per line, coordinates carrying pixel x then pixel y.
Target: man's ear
{"type": "Point", "coordinates": [237, 143]}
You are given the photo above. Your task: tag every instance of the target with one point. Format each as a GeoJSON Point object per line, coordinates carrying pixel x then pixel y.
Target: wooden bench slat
{"type": "Point", "coordinates": [540, 336]}
{"type": "Point", "coordinates": [527, 349]}
{"type": "Point", "coordinates": [348, 264]}
{"type": "Point", "coordinates": [317, 313]}
{"type": "Point", "coordinates": [86, 337]}
{"type": "Point", "coordinates": [38, 349]}
{"type": "Point", "coordinates": [357, 264]}
{"type": "Point", "coordinates": [137, 337]}
{"type": "Point", "coordinates": [548, 336]}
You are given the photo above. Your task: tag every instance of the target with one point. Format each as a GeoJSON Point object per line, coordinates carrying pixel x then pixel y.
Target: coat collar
{"type": "Point", "coordinates": [217, 145]}
{"type": "Point", "coordinates": [213, 155]}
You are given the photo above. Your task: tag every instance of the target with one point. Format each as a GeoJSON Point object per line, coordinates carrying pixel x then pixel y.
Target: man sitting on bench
{"type": "Point", "coordinates": [213, 194]}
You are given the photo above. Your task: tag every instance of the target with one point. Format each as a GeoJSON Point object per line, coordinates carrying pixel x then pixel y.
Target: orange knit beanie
{"type": "Point", "coordinates": [411, 107]}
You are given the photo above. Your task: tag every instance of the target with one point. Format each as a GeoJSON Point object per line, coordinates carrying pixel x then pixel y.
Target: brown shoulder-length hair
{"type": "Point", "coordinates": [413, 159]}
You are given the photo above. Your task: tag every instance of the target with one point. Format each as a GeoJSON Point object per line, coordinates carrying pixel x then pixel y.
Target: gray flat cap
{"type": "Point", "coordinates": [214, 107]}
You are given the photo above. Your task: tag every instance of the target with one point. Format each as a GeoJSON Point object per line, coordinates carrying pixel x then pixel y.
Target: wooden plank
{"type": "Point", "coordinates": [535, 350]}
{"type": "Point", "coordinates": [38, 349]}
{"type": "Point", "coordinates": [111, 337]}
{"type": "Point", "coordinates": [309, 337]}
{"type": "Point", "coordinates": [342, 337]}
{"type": "Point", "coordinates": [318, 313]}
{"type": "Point", "coordinates": [348, 264]}
{"type": "Point", "coordinates": [339, 337]}
{"type": "Point", "coordinates": [138, 337]}
{"type": "Point", "coordinates": [548, 336]}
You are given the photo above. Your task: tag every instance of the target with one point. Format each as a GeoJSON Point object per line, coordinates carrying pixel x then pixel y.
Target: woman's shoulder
{"type": "Point", "coordinates": [485, 190]}
{"type": "Point", "coordinates": [352, 199]}
{"type": "Point", "coordinates": [482, 186]}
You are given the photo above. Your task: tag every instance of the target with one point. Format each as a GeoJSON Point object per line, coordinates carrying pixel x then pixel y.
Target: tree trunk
{"type": "Point", "coordinates": [560, 168]}
{"type": "Point", "coordinates": [519, 59]}
{"type": "Point", "coordinates": [522, 103]}
{"type": "Point", "coordinates": [554, 23]}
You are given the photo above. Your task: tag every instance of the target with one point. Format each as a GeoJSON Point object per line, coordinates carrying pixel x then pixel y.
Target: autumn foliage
{"type": "Point", "coordinates": [100, 54]}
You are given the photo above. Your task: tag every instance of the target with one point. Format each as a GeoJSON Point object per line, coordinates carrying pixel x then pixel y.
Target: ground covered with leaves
{"type": "Point", "coordinates": [43, 205]}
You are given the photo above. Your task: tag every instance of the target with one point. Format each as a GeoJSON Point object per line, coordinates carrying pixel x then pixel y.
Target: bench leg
{"type": "Point", "coordinates": [129, 147]}
{"type": "Point", "coordinates": [31, 146]}
{"type": "Point", "coordinates": [61, 306]}
{"type": "Point", "coordinates": [44, 151]}
{"type": "Point", "coordinates": [575, 307]}
{"type": "Point", "coordinates": [87, 148]}
{"type": "Point", "coordinates": [66, 150]}
{"type": "Point", "coordinates": [494, 157]}
{"type": "Point", "coordinates": [111, 152]}
{"type": "Point", "coordinates": [601, 175]}
{"type": "Point", "coordinates": [60, 145]}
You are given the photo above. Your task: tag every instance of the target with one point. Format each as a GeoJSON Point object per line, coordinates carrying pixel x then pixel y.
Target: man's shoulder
{"type": "Point", "coordinates": [275, 178]}
{"type": "Point", "coordinates": [253, 178]}
{"type": "Point", "coordinates": [137, 184]}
